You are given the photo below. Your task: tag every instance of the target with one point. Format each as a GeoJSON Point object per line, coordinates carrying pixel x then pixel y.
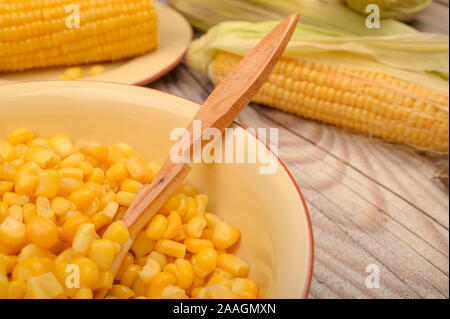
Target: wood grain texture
{"type": "Point", "coordinates": [370, 202]}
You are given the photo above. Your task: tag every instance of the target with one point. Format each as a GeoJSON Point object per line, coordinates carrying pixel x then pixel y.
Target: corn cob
{"type": "Point", "coordinates": [371, 103]}
{"type": "Point", "coordinates": [34, 34]}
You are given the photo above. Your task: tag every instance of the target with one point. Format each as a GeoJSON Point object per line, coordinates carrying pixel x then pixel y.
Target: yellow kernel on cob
{"type": "Point", "coordinates": [362, 101]}
{"type": "Point", "coordinates": [75, 46]}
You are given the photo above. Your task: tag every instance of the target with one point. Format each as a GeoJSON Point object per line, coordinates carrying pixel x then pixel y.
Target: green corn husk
{"type": "Point", "coordinates": [326, 14]}
{"type": "Point", "coordinates": [422, 58]}
{"type": "Point", "coordinates": [403, 10]}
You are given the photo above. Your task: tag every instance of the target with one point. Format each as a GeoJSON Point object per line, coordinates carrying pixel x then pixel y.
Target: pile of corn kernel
{"type": "Point", "coordinates": [61, 205]}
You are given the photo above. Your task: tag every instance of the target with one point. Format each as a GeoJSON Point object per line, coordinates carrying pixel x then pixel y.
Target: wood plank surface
{"type": "Point", "coordinates": [370, 202]}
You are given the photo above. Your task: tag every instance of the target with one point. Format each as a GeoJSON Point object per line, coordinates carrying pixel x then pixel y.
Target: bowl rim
{"type": "Point", "coordinates": [307, 286]}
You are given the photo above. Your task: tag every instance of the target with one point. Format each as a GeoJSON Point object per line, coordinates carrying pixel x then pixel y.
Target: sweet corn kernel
{"type": "Point", "coordinates": [40, 155]}
{"type": "Point", "coordinates": [129, 275]}
{"type": "Point", "coordinates": [117, 171]}
{"type": "Point", "coordinates": [170, 248]}
{"type": "Point", "coordinates": [42, 231]}
{"type": "Point", "coordinates": [31, 250]}
{"type": "Point", "coordinates": [195, 245]}
{"type": "Point", "coordinates": [184, 273]}
{"type": "Point", "coordinates": [204, 262]}
{"type": "Point", "coordinates": [43, 208]}
{"type": "Point", "coordinates": [173, 292]}
{"type": "Point", "coordinates": [117, 232]}
{"type": "Point", "coordinates": [122, 292]}
{"type": "Point", "coordinates": [16, 212]}
{"type": "Point", "coordinates": [8, 262]}
{"type": "Point", "coordinates": [25, 183]}
{"type": "Point", "coordinates": [198, 293]}
{"type": "Point", "coordinates": [106, 280]}
{"type": "Point", "coordinates": [233, 264]}
{"type": "Point", "coordinates": [84, 293]}
{"type": "Point", "coordinates": [65, 256]}
{"type": "Point", "coordinates": [12, 232]}
{"type": "Point", "coordinates": [94, 149]}
{"type": "Point", "coordinates": [72, 160]}
{"type": "Point", "coordinates": [50, 285]}
{"type": "Point", "coordinates": [60, 205]}
{"type": "Point", "coordinates": [211, 220]}
{"type": "Point", "coordinates": [5, 187]}
{"type": "Point", "coordinates": [29, 210]}
{"type": "Point", "coordinates": [195, 227]}
{"type": "Point", "coordinates": [142, 245]}
{"type": "Point", "coordinates": [4, 211]}
{"type": "Point", "coordinates": [131, 186]}
{"type": "Point", "coordinates": [129, 259]}
{"type": "Point", "coordinates": [159, 282]}
{"type": "Point", "coordinates": [102, 252]}
{"type": "Point", "coordinates": [225, 235]}
{"type": "Point", "coordinates": [20, 136]}
{"type": "Point", "coordinates": [111, 209]}
{"type": "Point", "coordinates": [201, 200]}
{"type": "Point", "coordinates": [16, 289]}
{"type": "Point", "coordinates": [149, 271]}
{"type": "Point", "coordinates": [140, 288]}
{"type": "Point", "coordinates": [7, 152]}
{"type": "Point", "coordinates": [219, 291]}
{"type": "Point", "coordinates": [138, 169]}
{"type": "Point", "coordinates": [83, 198]}
{"type": "Point", "coordinates": [108, 197]}
{"type": "Point", "coordinates": [15, 199]}
{"type": "Point", "coordinates": [69, 185]}
{"type": "Point", "coordinates": [71, 172]}
{"type": "Point", "coordinates": [171, 269]}
{"type": "Point", "coordinates": [34, 289]}
{"type": "Point", "coordinates": [244, 288]}
{"type": "Point", "coordinates": [97, 175]}
{"type": "Point", "coordinates": [224, 273]}
{"type": "Point", "coordinates": [157, 227]}
{"type": "Point", "coordinates": [158, 257]}
{"type": "Point", "coordinates": [83, 237]}
{"type": "Point", "coordinates": [219, 279]}
{"type": "Point", "coordinates": [174, 225]}
{"type": "Point", "coordinates": [191, 209]}
{"type": "Point", "coordinates": [48, 184]}
{"type": "Point", "coordinates": [71, 225]}
{"type": "Point", "coordinates": [89, 273]}
{"type": "Point", "coordinates": [61, 145]}
{"type": "Point", "coordinates": [172, 204]}
{"type": "Point", "coordinates": [100, 220]}
{"type": "Point", "coordinates": [125, 198]}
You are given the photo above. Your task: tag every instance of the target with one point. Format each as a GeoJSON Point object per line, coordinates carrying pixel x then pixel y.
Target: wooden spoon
{"type": "Point", "coordinates": [219, 110]}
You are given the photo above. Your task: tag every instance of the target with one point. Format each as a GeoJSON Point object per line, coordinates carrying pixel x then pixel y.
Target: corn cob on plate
{"type": "Point", "coordinates": [155, 52]}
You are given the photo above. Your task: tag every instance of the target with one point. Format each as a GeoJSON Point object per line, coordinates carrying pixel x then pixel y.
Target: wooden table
{"type": "Point", "coordinates": [370, 202]}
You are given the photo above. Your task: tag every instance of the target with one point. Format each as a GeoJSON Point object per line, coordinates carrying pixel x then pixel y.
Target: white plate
{"type": "Point", "coordinates": [175, 34]}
